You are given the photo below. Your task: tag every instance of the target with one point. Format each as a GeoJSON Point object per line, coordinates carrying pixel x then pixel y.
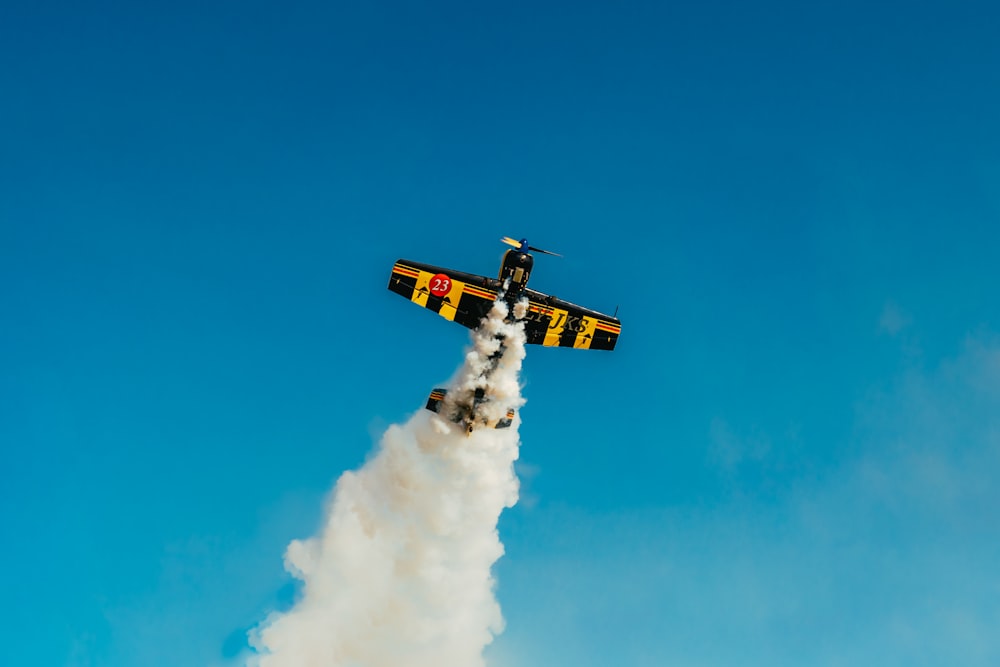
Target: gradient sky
{"type": "Point", "coordinates": [790, 458]}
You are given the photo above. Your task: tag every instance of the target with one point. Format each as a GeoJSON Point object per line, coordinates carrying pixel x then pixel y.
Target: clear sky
{"type": "Point", "coordinates": [790, 458]}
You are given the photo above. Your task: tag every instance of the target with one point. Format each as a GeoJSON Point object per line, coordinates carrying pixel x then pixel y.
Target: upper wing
{"type": "Point", "coordinates": [554, 322]}
{"type": "Point", "coordinates": [461, 297]}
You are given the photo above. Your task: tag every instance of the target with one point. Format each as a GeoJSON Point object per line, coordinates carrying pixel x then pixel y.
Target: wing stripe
{"type": "Point", "coordinates": [481, 293]}
{"type": "Point", "coordinates": [449, 302]}
{"type": "Point", "coordinates": [586, 337]}
{"type": "Point", "coordinates": [405, 271]}
{"type": "Point", "coordinates": [556, 328]}
{"type": "Point", "coordinates": [607, 326]}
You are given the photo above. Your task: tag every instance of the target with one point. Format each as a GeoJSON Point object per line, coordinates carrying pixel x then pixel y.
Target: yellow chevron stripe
{"type": "Point", "coordinates": [585, 337]}
{"type": "Point", "coordinates": [421, 291]}
{"type": "Point", "coordinates": [556, 327]}
{"type": "Point", "coordinates": [449, 306]}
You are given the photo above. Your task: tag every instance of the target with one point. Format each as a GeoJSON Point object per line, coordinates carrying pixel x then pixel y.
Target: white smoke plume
{"type": "Point", "coordinates": [400, 572]}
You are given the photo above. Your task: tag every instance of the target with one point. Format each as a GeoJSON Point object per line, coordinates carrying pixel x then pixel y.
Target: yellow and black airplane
{"type": "Point", "coordinates": [467, 298]}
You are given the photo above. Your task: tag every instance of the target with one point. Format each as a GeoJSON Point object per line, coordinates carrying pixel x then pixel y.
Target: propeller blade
{"type": "Point", "coordinates": [547, 252]}
{"type": "Point", "coordinates": [523, 245]}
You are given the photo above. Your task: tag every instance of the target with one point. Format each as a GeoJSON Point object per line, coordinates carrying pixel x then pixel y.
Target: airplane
{"type": "Point", "coordinates": [466, 298]}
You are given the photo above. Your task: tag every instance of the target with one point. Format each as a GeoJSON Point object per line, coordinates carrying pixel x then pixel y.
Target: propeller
{"type": "Point", "coordinates": [523, 246]}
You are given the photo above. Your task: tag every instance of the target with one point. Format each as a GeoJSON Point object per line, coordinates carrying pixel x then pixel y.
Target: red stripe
{"type": "Point", "coordinates": [475, 291]}
{"type": "Point", "coordinates": [412, 273]}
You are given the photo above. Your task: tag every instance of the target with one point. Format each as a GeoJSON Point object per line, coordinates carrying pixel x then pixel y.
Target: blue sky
{"type": "Point", "coordinates": [789, 458]}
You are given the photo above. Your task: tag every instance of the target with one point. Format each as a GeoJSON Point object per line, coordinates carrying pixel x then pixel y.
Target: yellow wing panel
{"type": "Point", "coordinates": [585, 337]}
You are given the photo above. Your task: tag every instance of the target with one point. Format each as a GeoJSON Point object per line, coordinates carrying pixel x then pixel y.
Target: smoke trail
{"type": "Point", "coordinates": [399, 574]}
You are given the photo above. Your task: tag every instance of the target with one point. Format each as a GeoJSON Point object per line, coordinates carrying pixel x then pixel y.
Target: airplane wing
{"type": "Point", "coordinates": [467, 298]}
{"type": "Point", "coordinates": [460, 297]}
{"type": "Point", "coordinates": [553, 322]}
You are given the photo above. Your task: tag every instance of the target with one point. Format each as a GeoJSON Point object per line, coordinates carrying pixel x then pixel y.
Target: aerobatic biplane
{"type": "Point", "coordinates": [466, 298]}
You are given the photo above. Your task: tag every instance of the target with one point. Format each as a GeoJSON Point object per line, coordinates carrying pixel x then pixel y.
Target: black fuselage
{"type": "Point", "coordinates": [517, 267]}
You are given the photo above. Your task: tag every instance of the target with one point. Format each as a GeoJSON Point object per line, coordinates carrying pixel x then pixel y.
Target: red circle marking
{"type": "Point", "coordinates": [440, 284]}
